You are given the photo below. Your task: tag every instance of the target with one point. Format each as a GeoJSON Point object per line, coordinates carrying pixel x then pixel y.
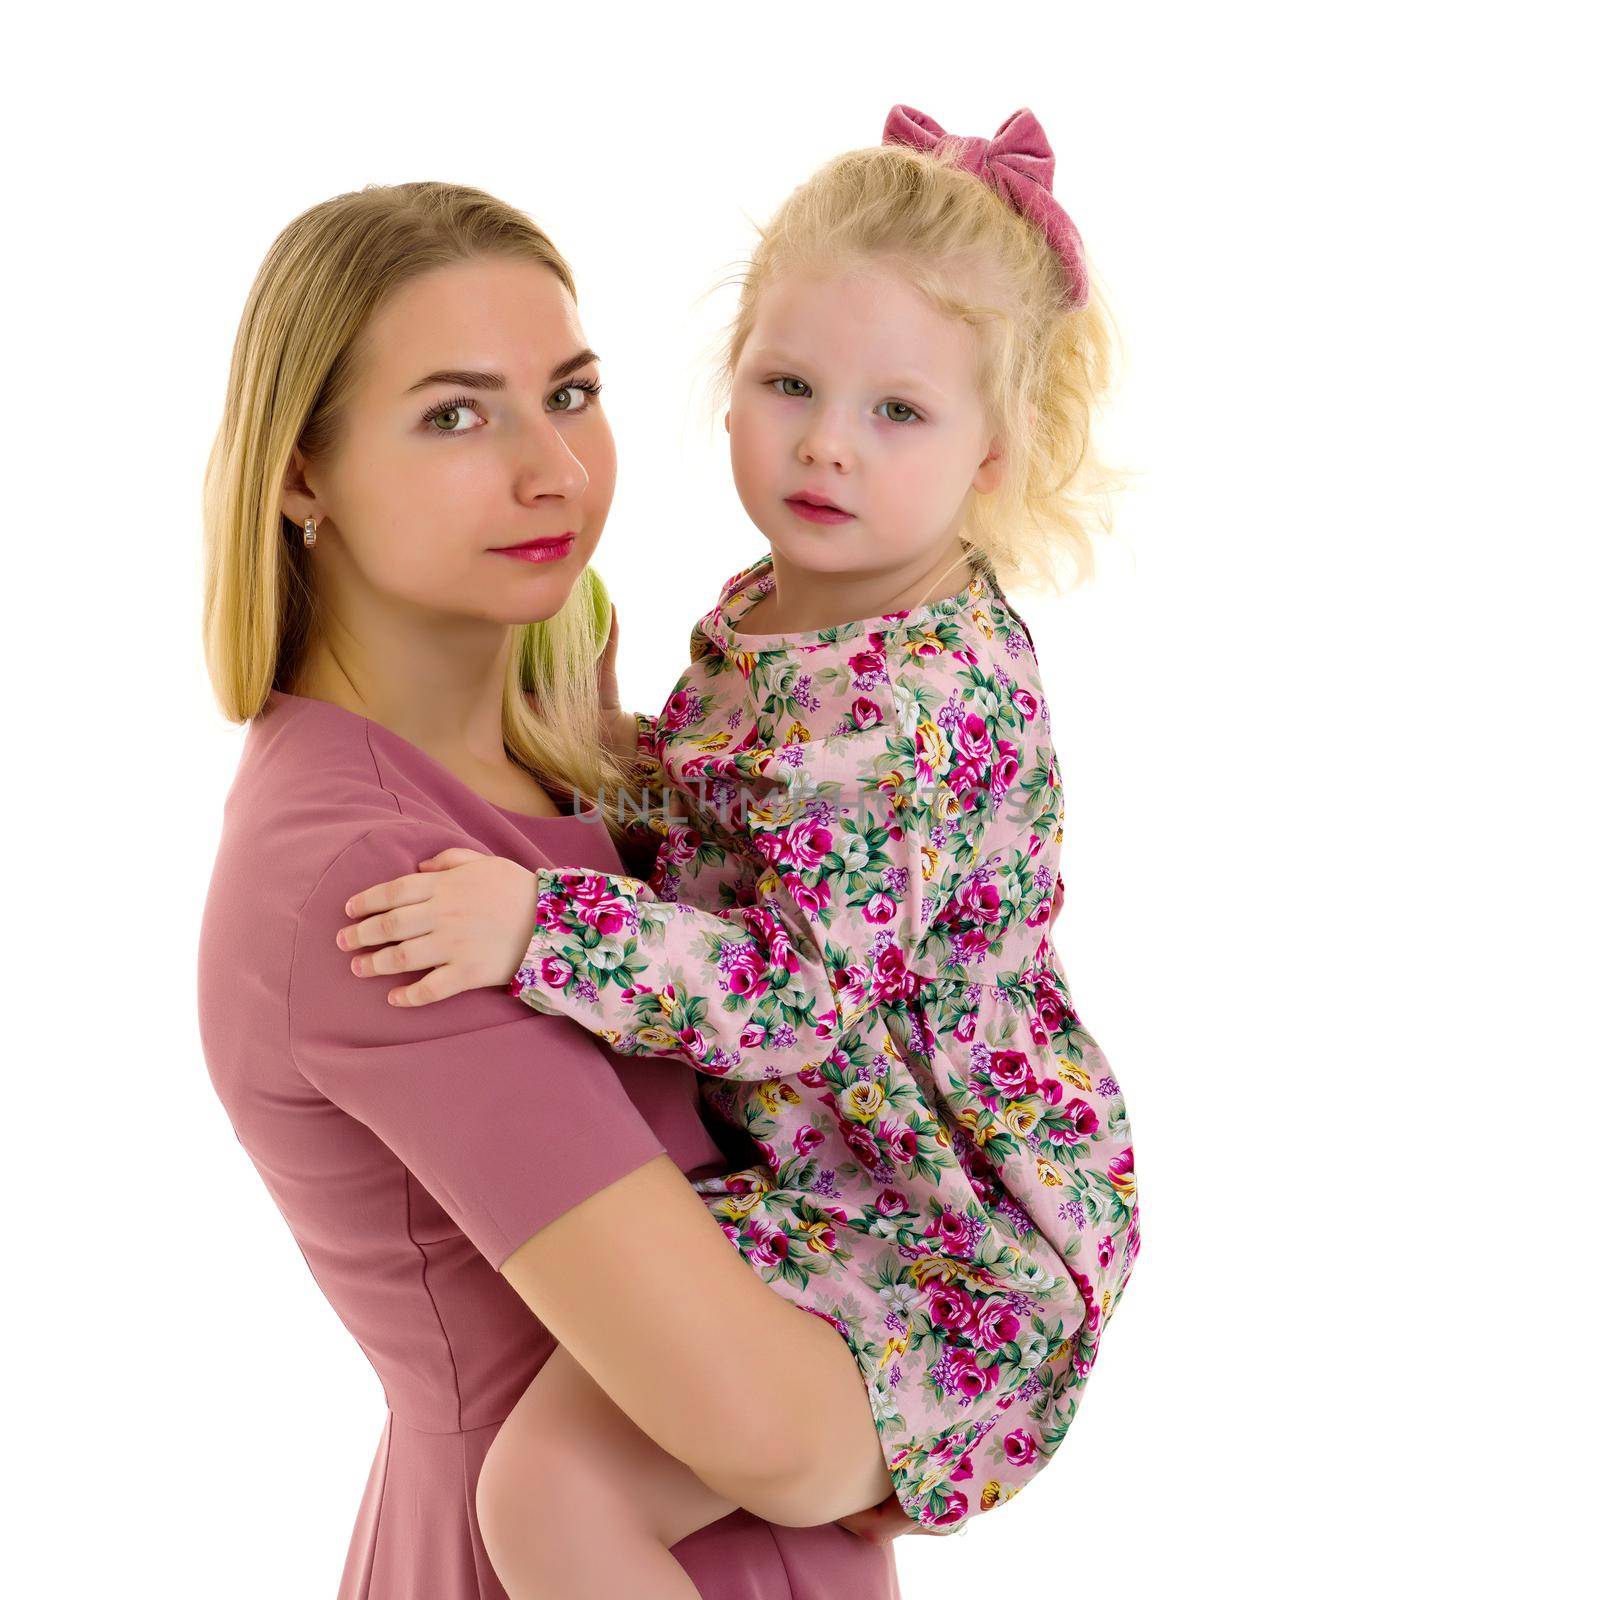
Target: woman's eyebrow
{"type": "Point", "coordinates": [464, 379]}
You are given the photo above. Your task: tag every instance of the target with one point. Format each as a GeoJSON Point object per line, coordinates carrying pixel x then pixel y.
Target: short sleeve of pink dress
{"type": "Point", "coordinates": [412, 1150]}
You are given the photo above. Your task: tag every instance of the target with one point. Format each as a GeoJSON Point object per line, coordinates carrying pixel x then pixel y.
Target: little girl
{"type": "Point", "coordinates": [846, 928]}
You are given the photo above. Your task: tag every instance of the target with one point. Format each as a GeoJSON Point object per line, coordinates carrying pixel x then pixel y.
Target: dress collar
{"type": "Point", "coordinates": [744, 589]}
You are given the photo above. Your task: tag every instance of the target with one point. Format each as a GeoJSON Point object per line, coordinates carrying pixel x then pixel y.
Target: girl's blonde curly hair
{"type": "Point", "coordinates": [1044, 370]}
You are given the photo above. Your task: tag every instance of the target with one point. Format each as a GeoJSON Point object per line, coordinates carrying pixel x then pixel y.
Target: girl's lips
{"type": "Point", "coordinates": [816, 513]}
{"type": "Point", "coordinates": [543, 550]}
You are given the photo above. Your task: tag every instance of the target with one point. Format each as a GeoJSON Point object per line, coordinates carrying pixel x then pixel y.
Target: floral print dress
{"type": "Point", "coordinates": [846, 933]}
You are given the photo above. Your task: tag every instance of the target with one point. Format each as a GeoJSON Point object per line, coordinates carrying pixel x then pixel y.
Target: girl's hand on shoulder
{"type": "Point", "coordinates": [605, 669]}
{"type": "Point", "coordinates": [467, 915]}
{"type": "Point", "coordinates": [621, 734]}
{"type": "Point", "coordinates": [619, 728]}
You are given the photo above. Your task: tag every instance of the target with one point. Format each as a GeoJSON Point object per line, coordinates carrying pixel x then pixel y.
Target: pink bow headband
{"type": "Point", "coordinates": [1019, 165]}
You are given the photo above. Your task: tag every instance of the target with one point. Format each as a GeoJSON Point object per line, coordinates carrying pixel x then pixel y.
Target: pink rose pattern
{"type": "Point", "coordinates": [846, 932]}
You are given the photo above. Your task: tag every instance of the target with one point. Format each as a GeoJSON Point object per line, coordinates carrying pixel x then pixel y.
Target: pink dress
{"type": "Point", "coordinates": [412, 1150]}
{"type": "Point", "coordinates": [848, 936]}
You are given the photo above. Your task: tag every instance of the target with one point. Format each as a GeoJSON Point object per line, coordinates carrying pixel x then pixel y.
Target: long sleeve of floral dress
{"type": "Point", "coordinates": [860, 843]}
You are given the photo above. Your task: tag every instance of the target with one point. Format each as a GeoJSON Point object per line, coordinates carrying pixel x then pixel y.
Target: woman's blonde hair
{"type": "Point", "coordinates": [1044, 371]}
{"type": "Point", "coordinates": [291, 375]}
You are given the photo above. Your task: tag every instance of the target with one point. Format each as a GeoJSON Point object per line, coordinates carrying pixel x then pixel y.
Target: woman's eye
{"type": "Point", "coordinates": [587, 390]}
{"type": "Point", "coordinates": [899, 411]}
{"type": "Point", "coordinates": [443, 418]}
{"type": "Point", "coordinates": [799, 392]}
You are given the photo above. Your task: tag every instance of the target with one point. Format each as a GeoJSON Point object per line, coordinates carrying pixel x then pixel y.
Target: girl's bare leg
{"type": "Point", "coordinates": [575, 1503]}
{"type": "Point", "coordinates": [762, 1401]}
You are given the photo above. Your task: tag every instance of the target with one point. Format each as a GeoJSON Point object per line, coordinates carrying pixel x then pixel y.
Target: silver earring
{"type": "Point", "coordinates": [310, 535]}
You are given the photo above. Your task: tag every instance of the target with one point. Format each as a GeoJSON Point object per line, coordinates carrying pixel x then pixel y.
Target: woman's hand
{"type": "Point", "coordinates": [467, 915]}
{"type": "Point", "coordinates": [880, 1523]}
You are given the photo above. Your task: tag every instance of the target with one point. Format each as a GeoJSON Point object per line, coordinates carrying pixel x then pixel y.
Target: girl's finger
{"type": "Point", "coordinates": [455, 856]}
{"type": "Point", "coordinates": [440, 984]}
{"type": "Point", "coordinates": [606, 668]}
{"type": "Point", "coordinates": [414, 955]}
{"type": "Point", "coordinates": [404, 922]}
{"type": "Point", "coordinates": [404, 891]}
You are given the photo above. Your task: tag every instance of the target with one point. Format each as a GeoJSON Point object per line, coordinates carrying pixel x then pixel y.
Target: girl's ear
{"type": "Point", "coordinates": [727, 420]}
{"type": "Point", "coordinates": [990, 470]}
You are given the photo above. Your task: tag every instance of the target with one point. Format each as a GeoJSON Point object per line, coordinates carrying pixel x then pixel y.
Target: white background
{"type": "Point", "coordinates": [1326, 719]}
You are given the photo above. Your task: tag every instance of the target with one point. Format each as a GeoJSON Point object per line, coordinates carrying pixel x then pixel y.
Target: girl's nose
{"type": "Point", "coordinates": [827, 445]}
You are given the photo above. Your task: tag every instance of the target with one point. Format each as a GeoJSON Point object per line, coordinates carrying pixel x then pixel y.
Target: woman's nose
{"type": "Point", "coordinates": [547, 466]}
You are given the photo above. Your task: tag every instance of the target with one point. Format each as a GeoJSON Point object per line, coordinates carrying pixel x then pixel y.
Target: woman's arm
{"type": "Point", "coordinates": [762, 1400]}
{"type": "Point", "coordinates": [521, 1130]}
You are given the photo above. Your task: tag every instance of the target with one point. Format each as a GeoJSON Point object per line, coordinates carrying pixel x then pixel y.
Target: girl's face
{"type": "Point", "coordinates": [853, 389]}
{"type": "Point", "coordinates": [472, 426]}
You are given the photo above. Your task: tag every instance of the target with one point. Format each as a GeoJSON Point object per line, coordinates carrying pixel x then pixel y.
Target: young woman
{"type": "Point", "coordinates": [409, 628]}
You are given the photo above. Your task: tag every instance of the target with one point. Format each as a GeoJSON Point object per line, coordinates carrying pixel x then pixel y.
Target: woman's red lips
{"type": "Point", "coordinates": [551, 549]}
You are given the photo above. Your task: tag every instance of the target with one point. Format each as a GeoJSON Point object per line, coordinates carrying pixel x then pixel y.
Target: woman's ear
{"type": "Point", "coordinates": [298, 500]}
{"type": "Point", "coordinates": [727, 420]}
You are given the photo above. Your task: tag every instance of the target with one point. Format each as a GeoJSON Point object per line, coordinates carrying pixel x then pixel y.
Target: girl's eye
{"type": "Point", "coordinates": [799, 392]}
{"type": "Point", "coordinates": [895, 406]}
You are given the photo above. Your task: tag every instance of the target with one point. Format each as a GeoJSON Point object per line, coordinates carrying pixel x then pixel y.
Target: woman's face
{"type": "Point", "coordinates": [471, 427]}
